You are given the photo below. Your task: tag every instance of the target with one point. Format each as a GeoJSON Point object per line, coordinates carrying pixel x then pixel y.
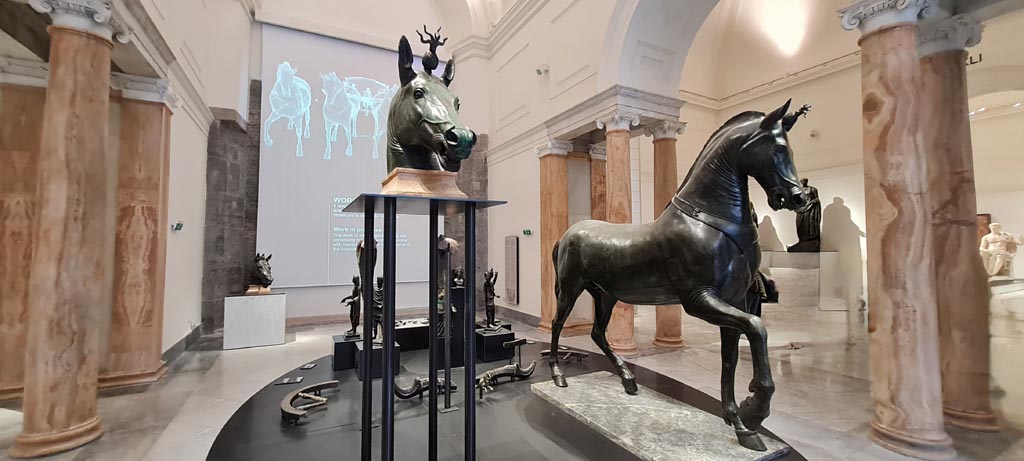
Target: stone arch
{"type": "Point", "coordinates": [647, 41]}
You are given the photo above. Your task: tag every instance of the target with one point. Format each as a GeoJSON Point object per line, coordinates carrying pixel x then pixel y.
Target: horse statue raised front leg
{"type": "Point", "coordinates": [702, 252]}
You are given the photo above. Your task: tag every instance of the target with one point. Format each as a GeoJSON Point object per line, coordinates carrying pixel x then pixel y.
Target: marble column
{"type": "Point", "coordinates": [903, 317]}
{"type": "Point", "coordinates": [554, 219]}
{"type": "Point", "coordinates": [598, 183]}
{"type": "Point", "coordinates": [960, 280]}
{"type": "Point", "coordinates": [669, 319]}
{"type": "Point", "coordinates": [140, 248]}
{"type": "Point", "coordinates": [72, 260]}
{"type": "Point", "coordinates": [620, 210]}
{"type": "Point", "coordinates": [21, 120]}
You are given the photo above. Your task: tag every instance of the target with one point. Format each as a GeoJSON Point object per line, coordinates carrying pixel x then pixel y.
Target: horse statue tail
{"type": "Point", "coordinates": [554, 260]}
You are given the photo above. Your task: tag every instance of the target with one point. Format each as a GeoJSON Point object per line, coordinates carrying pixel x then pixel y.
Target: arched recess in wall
{"type": "Point", "coordinates": [994, 79]}
{"type": "Point", "coordinates": [647, 42]}
{"type": "Point", "coordinates": [462, 19]}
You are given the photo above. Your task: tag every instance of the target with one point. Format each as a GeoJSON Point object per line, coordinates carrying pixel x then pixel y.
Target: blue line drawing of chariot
{"type": "Point", "coordinates": [289, 98]}
{"type": "Point", "coordinates": [345, 100]}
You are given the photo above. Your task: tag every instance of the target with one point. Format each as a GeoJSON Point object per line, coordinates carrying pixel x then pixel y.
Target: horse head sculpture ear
{"type": "Point", "coordinates": [449, 71]}
{"type": "Point", "coordinates": [405, 72]}
{"type": "Point", "coordinates": [271, 255]}
{"type": "Point", "coordinates": [771, 119]}
{"type": "Point", "coordinates": [790, 119]}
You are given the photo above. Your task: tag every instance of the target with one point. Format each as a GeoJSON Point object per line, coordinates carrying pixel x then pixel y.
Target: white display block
{"type": "Point", "coordinates": [252, 321]}
{"type": "Point", "coordinates": [806, 279]}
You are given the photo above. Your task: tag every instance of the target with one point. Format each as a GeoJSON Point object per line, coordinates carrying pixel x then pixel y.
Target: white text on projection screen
{"type": "Point", "coordinates": [323, 142]}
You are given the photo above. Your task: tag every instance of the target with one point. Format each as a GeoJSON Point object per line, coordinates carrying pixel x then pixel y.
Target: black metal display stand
{"type": "Point", "coordinates": [392, 205]}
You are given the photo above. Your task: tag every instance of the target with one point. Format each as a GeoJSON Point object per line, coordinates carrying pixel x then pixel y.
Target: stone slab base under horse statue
{"type": "Point", "coordinates": [650, 425]}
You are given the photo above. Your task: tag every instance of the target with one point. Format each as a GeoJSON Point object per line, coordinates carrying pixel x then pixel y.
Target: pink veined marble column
{"type": "Point", "coordinates": [903, 317]}
{"type": "Point", "coordinates": [554, 220]}
{"type": "Point", "coordinates": [961, 283]}
{"type": "Point", "coordinates": [669, 319]}
{"type": "Point", "coordinates": [620, 332]}
{"type": "Point", "coordinates": [72, 261]}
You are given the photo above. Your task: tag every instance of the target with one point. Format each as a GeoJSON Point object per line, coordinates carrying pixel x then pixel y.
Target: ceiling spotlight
{"type": "Point", "coordinates": [1016, 105]}
{"type": "Point", "coordinates": [982, 110]}
{"type": "Point", "coordinates": [971, 114]}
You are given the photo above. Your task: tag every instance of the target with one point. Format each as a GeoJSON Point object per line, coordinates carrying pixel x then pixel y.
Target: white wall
{"type": "Point", "coordinates": [186, 203]}
{"type": "Point", "coordinates": [515, 179]}
{"type": "Point", "coordinates": [379, 23]}
{"type": "Point", "coordinates": [230, 43]}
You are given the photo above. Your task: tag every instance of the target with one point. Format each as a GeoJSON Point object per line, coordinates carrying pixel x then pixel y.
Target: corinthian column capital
{"type": "Point", "coordinates": [92, 16]}
{"type": "Point", "coordinates": [665, 129]}
{"type": "Point", "coordinates": [618, 121]}
{"type": "Point", "coordinates": [554, 147]}
{"type": "Point", "coordinates": [953, 33]}
{"type": "Point", "coordinates": [871, 15]}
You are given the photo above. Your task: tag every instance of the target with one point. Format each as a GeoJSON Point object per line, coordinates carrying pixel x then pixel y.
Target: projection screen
{"type": "Point", "coordinates": [323, 142]}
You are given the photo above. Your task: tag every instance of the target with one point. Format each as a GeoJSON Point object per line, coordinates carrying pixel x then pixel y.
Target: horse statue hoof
{"type": "Point", "coordinates": [750, 440]}
{"type": "Point", "coordinates": [560, 381]}
{"type": "Point", "coordinates": [750, 420]}
{"type": "Point", "coordinates": [630, 385]}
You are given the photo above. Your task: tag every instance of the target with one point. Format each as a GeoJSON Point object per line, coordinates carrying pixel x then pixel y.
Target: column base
{"type": "Point", "coordinates": [675, 343]}
{"type": "Point", "coordinates": [10, 393]}
{"type": "Point", "coordinates": [132, 379]}
{"type": "Point", "coordinates": [626, 350]}
{"type": "Point", "coordinates": [569, 329]}
{"type": "Point", "coordinates": [932, 449]}
{"type": "Point", "coordinates": [972, 421]}
{"type": "Point", "coordinates": [36, 445]}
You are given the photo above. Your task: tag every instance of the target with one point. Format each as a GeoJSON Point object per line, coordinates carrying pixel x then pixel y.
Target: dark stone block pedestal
{"type": "Point", "coordinates": [490, 345]}
{"type": "Point", "coordinates": [412, 337]}
{"type": "Point", "coordinates": [344, 357]}
{"type": "Point", "coordinates": [458, 353]}
{"type": "Point", "coordinates": [377, 358]}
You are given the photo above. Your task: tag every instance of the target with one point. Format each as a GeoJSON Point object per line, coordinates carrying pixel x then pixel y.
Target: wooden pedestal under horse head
{"type": "Point", "coordinates": [424, 129]}
{"type": "Point", "coordinates": [702, 252]}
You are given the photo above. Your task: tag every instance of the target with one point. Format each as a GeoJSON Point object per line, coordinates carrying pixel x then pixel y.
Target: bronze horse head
{"type": "Point", "coordinates": [424, 129]}
{"type": "Point", "coordinates": [261, 273]}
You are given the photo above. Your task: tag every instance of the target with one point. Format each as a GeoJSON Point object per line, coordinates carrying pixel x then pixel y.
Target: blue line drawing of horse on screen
{"type": "Point", "coordinates": [360, 95]}
{"type": "Point", "coordinates": [290, 98]}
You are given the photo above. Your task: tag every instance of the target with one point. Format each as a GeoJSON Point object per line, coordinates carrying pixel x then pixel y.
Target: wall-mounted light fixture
{"type": "Point", "coordinates": [543, 69]}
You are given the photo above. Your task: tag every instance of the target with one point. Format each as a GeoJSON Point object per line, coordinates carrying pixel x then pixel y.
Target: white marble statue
{"type": "Point", "coordinates": [997, 251]}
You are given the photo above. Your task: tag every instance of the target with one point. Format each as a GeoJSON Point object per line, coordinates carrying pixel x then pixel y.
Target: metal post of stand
{"type": "Point", "coordinates": [432, 343]}
{"type": "Point", "coordinates": [369, 247]}
{"type": "Point", "coordinates": [469, 332]}
{"type": "Point", "coordinates": [387, 385]}
{"type": "Point", "coordinates": [448, 325]}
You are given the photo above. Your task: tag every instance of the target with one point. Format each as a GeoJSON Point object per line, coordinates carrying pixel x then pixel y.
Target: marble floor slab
{"type": "Point", "coordinates": [652, 426]}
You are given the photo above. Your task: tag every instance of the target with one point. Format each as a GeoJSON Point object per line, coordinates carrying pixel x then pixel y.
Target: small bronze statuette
{"type": "Point", "coordinates": [490, 277]}
{"type": "Point", "coordinates": [353, 301]}
{"type": "Point", "coordinates": [808, 223]}
{"type": "Point", "coordinates": [430, 60]}
{"type": "Point", "coordinates": [378, 311]}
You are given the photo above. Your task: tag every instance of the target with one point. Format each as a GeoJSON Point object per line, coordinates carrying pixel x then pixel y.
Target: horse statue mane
{"type": "Point", "coordinates": [424, 129]}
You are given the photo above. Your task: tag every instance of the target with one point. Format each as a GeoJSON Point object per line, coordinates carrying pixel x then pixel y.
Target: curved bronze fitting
{"type": "Point", "coordinates": [419, 387]}
{"type": "Point", "coordinates": [485, 381]}
{"type": "Point", "coordinates": [291, 414]}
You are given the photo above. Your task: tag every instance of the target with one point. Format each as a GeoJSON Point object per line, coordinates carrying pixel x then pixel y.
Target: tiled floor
{"type": "Point", "coordinates": [822, 404]}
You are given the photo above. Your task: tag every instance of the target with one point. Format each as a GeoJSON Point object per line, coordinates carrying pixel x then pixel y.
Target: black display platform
{"type": "Point", "coordinates": [413, 337]}
{"type": "Point", "coordinates": [513, 423]}
{"type": "Point", "coordinates": [344, 356]}
{"type": "Point", "coordinates": [504, 324]}
{"type": "Point", "coordinates": [490, 345]}
{"type": "Point", "coordinates": [376, 358]}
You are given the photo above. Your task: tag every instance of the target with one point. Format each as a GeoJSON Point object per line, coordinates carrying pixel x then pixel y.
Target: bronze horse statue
{"type": "Point", "coordinates": [424, 129]}
{"type": "Point", "coordinates": [702, 252]}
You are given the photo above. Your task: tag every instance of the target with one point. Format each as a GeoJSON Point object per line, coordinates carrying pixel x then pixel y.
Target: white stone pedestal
{"type": "Point", "coordinates": [251, 321]}
{"type": "Point", "coordinates": [806, 279]}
